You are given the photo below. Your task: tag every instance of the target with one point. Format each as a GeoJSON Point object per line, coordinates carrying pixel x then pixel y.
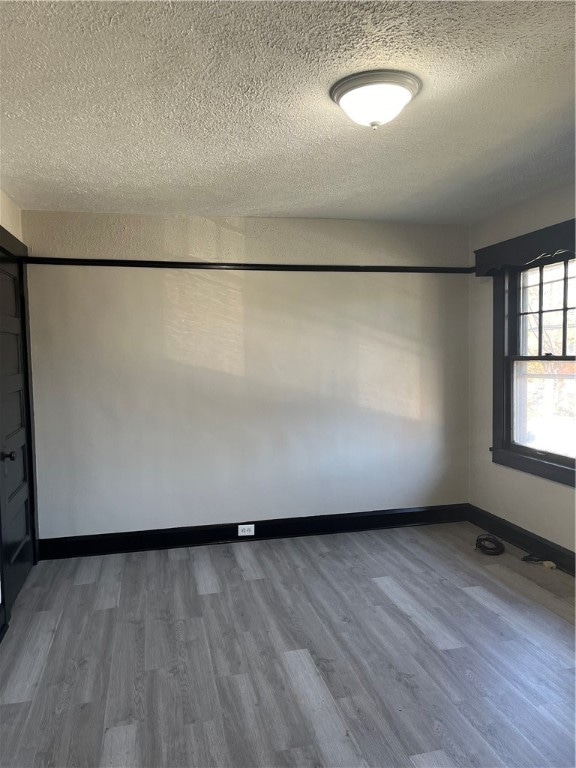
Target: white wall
{"type": "Point", "coordinates": [166, 398]}
{"type": "Point", "coordinates": [10, 216]}
{"type": "Point", "coordinates": [539, 505]}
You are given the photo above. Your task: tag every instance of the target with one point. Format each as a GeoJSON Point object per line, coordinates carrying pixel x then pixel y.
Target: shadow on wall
{"type": "Point", "coordinates": [312, 241]}
{"type": "Point", "coordinates": [351, 337]}
{"type": "Point", "coordinates": [204, 320]}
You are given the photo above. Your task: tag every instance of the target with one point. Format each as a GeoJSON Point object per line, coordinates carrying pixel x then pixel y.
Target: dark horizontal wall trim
{"type": "Point", "coordinates": [223, 265]}
{"type": "Point", "coordinates": [520, 537]}
{"type": "Point", "coordinates": [168, 538]}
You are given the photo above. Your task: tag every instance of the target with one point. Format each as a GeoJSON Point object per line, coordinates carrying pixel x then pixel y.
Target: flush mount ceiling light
{"type": "Point", "coordinates": [376, 97]}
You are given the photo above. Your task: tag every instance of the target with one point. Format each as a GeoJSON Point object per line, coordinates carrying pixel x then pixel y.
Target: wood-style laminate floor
{"type": "Point", "coordinates": [385, 648]}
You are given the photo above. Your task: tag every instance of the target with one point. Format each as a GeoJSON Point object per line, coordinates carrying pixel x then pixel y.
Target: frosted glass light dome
{"type": "Point", "coordinates": [375, 98]}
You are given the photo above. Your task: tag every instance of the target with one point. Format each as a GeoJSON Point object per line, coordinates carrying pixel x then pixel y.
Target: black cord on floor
{"type": "Point", "coordinates": [532, 559]}
{"type": "Point", "coordinates": [490, 544]}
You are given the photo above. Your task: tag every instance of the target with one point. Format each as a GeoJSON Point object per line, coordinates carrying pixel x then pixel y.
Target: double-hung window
{"type": "Point", "coordinates": [541, 361]}
{"type": "Point", "coordinates": [534, 426]}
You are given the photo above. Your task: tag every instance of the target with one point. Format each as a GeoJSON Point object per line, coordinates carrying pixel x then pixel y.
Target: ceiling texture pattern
{"type": "Point", "coordinates": [222, 108]}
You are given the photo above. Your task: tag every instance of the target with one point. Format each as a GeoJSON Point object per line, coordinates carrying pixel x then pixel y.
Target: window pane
{"type": "Point", "coordinates": [529, 335]}
{"type": "Point", "coordinates": [571, 333]}
{"type": "Point", "coordinates": [530, 290]}
{"type": "Point", "coordinates": [571, 267]}
{"type": "Point", "coordinates": [572, 292]}
{"type": "Point", "coordinates": [544, 408]}
{"type": "Point", "coordinates": [552, 333]}
{"type": "Point", "coordinates": [553, 287]}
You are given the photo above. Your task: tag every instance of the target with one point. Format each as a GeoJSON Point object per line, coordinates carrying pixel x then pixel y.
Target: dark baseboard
{"type": "Point", "coordinates": [168, 538]}
{"type": "Point", "coordinates": [191, 536]}
{"type": "Point", "coordinates": [520, 537]}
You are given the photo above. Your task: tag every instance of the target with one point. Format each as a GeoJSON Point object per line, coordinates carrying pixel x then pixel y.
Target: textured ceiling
{"type": "Point", "coordinates": [222, 108]}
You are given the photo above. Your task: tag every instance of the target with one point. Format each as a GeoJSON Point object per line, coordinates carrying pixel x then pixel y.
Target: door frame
{"type": "Point", "coordinates": [12, 251]}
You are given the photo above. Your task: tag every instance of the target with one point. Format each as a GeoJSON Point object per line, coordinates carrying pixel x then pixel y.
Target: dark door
{"type": "Point", "coordinates": [15, 498]}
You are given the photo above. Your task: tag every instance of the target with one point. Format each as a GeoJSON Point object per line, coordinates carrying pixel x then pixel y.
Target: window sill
{"type": "Point", "coordinates": [533, 466]}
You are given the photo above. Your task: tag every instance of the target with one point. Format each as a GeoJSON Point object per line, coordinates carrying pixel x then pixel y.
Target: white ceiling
{"type": "Point", "coordinates": [222, 108]}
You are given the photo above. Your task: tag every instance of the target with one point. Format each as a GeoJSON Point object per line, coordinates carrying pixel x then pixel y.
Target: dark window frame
{"type": "Point", "coordinates": [560, 469]}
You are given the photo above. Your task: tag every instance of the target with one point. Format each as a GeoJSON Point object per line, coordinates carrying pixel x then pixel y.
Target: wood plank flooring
{"type": "Point", "coordinates": [396, 648]}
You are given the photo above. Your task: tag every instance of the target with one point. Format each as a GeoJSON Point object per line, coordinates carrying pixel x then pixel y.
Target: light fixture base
{"type": "Point", "coordinates": [392, 76]}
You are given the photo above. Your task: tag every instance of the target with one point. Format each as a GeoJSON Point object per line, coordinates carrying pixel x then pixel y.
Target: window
{"type": "Point", "coordinates": [534, 384]}
{"type": "Point", "coordinates": [543, 372]}
{"type": "Point", "coordinates": [535, 368]}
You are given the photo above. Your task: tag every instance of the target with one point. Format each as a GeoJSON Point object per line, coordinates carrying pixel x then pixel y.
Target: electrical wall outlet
{"type": "Point", "coordinates": [246, 530]}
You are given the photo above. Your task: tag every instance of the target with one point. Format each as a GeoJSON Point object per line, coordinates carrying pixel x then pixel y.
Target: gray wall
{"type": "Point", "coordinates": [166, 398]}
